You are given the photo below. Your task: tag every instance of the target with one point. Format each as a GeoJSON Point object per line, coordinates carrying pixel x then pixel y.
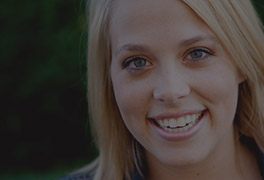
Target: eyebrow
{"type": "Point", "coordinates": [196, 39]}
{"type": "Point", "coordinates": [183, 43]}
{"type": "Point", "coordinates": [132, 48]}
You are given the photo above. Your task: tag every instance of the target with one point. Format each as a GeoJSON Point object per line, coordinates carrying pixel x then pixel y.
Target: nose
{"type": "Point", "coordinates": [171, 87]}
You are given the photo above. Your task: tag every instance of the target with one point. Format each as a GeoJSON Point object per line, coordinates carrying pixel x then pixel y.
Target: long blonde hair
{"type": "Point", "coordinates": [238, 29]}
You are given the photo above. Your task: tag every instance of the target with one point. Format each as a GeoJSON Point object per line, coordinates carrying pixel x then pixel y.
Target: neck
{"type": "Point", "coordinates": [235, 162]}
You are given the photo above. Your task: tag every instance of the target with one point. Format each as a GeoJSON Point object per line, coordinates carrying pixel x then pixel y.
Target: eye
{"type": "Point", "coordinates": [198, 54]}
{"type": "Point", "coordinates": [135, 62]}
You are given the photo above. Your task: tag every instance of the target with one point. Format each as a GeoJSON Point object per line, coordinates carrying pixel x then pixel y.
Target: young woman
{"type": "Point", "coordinates": [176, 90]}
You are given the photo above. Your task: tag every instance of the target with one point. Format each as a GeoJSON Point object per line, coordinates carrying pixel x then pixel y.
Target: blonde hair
{"type": "Point", "coordinates": [238, 29]}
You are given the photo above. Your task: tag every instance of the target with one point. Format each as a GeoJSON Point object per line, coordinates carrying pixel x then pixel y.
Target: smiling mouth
{"type": "Point", "coordinates": [177, 125]}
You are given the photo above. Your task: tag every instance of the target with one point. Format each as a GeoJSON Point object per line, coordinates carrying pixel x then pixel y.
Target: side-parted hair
{"type": "Point", "coordinates": [240, 32]}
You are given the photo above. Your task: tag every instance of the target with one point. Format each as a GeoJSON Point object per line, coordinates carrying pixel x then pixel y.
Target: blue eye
{"type": "Point", "coordinates": [135, 63]}
{"type": "Point", "coordinates": [139, 62]}
{"type": "Point", "coordinates": [198, 54]}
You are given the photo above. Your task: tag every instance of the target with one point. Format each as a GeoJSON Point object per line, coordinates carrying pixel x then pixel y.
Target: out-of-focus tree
{"type": "Point", "coordinates": [43, 83]}
{"type": "Point", "coordinates": [259, 5]}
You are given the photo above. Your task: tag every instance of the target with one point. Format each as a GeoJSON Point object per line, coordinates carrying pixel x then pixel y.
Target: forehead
{"type": "Point", "coordinates": [149, 10]}
{"type": "Point", "coordinates": [142, 7]}
{"type": "Point", "coordinates": [127, 12]}
{"type": "Point", "coordinates": [139, 20]}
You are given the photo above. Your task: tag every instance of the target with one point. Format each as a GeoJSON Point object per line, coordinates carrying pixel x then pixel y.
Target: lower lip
{"type": "Point", "coordinates": [179, 136]}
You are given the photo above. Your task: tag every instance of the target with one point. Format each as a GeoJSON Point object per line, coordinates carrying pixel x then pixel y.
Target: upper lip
{"type": "Point", "coordinates": [170, 115]}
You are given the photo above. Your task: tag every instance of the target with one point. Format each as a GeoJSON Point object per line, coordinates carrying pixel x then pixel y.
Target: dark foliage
{"type": "Point", "coordinates": [43, 84]}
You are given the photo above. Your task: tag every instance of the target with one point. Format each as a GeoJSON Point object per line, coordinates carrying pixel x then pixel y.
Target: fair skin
{"type": "Point", "coordinates": [177, 90]}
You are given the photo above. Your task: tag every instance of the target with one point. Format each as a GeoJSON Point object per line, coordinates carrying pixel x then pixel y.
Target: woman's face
{"type": "Point", "coordinates": [174, 84]}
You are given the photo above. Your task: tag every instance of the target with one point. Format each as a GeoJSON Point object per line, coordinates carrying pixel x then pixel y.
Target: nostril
{"type": "Point", "coordinates": [159, 96]}
{"type": "Point", "coordinates": [171, 95]}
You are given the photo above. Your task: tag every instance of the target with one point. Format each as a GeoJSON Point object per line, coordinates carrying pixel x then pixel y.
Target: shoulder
{"type": "Point", "coordinates": [88, 173]}
{"type": "Point", "coordinates": [78, 176]}
{"type": "Point", "coordinates": [85, 173]}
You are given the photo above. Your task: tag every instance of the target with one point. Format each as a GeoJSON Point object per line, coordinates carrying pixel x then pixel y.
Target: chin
{"type": "Point", "coordinates": [181, 157]}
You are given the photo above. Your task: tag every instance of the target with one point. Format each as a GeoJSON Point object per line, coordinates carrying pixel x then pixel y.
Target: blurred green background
{"type": "Point", "coordinates": [43, 128]}
{"type": "Point", "coordinates": [44, 132]}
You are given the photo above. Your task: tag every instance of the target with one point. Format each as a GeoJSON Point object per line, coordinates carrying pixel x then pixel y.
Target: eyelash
{"type": "Point", "coordinates": [132, 59]}
{"type": "Point", "coordinates": [127, 62]}
{"type": "Point", "coordinates": [200, 50]}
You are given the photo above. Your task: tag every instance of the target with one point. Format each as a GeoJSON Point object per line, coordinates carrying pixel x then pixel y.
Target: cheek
{"type": "Point", "coordinates": [220, 91]}
{"type": "Point", "coordinates": [132, 98]}
{"type": "Point", "coordinates": [218, 82]}
{"type": "Point", "coordinates": [133, 102]}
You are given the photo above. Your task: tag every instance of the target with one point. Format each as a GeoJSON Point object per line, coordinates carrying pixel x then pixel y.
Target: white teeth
{"type": "Point", "coordinates": [179, 125]}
